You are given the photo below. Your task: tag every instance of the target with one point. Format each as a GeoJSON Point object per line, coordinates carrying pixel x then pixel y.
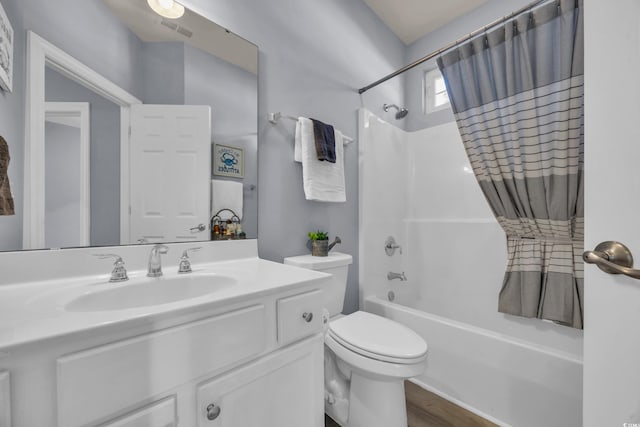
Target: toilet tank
{"type": "Point", "coordinates": [337, 264]}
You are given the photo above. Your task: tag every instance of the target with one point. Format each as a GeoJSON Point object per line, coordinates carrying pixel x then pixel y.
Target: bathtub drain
{"type": "Point", "coordinates": [391, 296]}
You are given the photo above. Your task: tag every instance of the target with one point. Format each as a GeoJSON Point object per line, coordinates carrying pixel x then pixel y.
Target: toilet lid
{"type": "Point", "coordinates": [378, 337]}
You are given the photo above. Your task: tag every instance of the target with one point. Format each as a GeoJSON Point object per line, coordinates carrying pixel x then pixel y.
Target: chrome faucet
{"type": "Point", "coordinates": [391, 276]}
{"type": "Point", "coordinates": [119, 273]}
{"type": "Point", "coordinates": [155, 264]}
{"type": "Point", "coordinates": [185, 263]}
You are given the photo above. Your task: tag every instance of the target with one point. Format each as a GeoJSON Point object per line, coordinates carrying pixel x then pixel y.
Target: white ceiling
{"type": "Point", "coordinates": [412, 19]}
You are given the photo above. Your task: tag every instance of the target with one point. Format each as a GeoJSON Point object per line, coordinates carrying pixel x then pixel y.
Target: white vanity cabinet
{"type": "Point", "coordinates": [258, 362]}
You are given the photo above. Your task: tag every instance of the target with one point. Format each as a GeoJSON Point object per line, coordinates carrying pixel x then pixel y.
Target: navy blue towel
{"type": "Point", "coordinates": [325, 141]}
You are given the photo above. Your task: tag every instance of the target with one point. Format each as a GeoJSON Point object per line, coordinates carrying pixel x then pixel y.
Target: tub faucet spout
{"type": "Point", "coordinates": [391, 276]}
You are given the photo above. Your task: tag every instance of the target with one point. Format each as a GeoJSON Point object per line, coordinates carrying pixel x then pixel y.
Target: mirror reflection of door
{"type": "Point", "coordinates": [170, 148]}
{"type": "Point", "coordinates": [67, 204]}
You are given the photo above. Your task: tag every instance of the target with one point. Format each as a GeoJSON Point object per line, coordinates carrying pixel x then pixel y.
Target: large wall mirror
{"type": "Point", "coordinates": [127, 127]}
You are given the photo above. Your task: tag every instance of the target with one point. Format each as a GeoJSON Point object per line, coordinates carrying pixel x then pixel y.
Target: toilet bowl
{"type": "Point", "coordinates": [367, 357]}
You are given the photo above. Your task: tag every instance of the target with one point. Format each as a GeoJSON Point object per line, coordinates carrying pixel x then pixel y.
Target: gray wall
{"type": "Point", "coordinates": [104, 153]}
{"type": "Point", "coordinates": [483, 15]}
{"type": "Point", "coordinates": [313, 57]}
{"type": "Point", "coordinates": [162, 63]}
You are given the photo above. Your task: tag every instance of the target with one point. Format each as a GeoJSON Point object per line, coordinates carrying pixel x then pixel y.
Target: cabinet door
{"type": "Point", "coordinates": [283, 389]}
{"type": "Point", "coordinates": [158, 414]}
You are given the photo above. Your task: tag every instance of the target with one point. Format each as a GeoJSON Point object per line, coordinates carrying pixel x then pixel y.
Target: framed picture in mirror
{"type": "Point", "coordinates": [228, 161]}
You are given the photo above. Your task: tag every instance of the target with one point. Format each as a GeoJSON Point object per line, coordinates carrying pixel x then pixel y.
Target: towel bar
{"type": "Point", "coordinates": [275, 117]}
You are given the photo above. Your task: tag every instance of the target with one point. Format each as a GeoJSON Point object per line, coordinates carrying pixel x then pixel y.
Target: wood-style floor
{"type": "Point", "coordinates": [425, 409]}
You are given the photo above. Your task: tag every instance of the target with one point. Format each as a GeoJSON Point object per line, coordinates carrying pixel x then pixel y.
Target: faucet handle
{"type": "Point", "coordinates": [185, 264]}
{"type": "Point", "coordinates": [119, 273]}
{"type": "Point", "coordinates": [390, 246]}
{"type": "Point", "coordinates": [160, 248]}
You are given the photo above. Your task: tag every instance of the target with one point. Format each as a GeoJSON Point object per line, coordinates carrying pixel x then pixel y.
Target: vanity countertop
{"type": "Point", "coordinates": [36, 310]}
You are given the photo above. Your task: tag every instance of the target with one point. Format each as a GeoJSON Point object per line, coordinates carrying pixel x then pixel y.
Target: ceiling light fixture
{"type": "Point", "coordinates": [168, 8]}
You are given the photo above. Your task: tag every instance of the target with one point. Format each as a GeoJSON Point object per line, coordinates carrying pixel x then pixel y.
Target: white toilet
{"type": "Point", "coordinates": [367, 357]}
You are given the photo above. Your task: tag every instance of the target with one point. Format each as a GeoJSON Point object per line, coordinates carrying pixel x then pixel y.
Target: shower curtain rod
{"type": "Point", "coordinates": [452, 45]}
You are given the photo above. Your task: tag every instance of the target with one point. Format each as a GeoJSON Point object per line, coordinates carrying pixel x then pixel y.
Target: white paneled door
{"type": "Point", "coordinates": [170, 173]}
{"type": "Point", "coordinates": [612, 211]}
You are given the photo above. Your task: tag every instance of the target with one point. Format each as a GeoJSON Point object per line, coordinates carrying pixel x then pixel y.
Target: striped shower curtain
{"type": "Point", "coordinates": [517, 95]}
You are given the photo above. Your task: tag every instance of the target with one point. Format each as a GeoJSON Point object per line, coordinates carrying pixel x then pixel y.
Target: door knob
{"type": "Point", "coordinates": [307, 316]}
{"type": "Point", "coordinates": [198, 228]}
{"type": "Point", "coordinates": [613, 258]}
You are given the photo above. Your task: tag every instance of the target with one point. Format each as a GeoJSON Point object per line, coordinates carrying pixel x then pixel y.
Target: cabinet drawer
{"type": "Point", "coordinates": [299, 316]}
{"type": "Point", "coordinates": [158, 414]}
{"type": "Point", "coordinates": [101, 382]}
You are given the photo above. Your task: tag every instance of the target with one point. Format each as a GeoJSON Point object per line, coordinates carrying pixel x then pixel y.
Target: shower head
{"type": "Point", "coordinates": [402, 112]}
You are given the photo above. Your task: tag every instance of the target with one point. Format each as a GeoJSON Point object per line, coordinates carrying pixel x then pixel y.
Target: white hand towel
{"type": "Point", "coordinates": [226, 195]}
{"type": "Point", "coordinates": [322, 181]}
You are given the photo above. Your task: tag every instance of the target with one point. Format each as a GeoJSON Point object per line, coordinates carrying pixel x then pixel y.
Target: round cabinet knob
{"type": "Point", "coordinates": [213, 412]}
{"type": "Point", "coordinates": [308, 317]}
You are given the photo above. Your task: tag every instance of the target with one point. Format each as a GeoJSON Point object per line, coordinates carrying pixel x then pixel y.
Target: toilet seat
{"type": "Point", "coordinates": [378, 338]}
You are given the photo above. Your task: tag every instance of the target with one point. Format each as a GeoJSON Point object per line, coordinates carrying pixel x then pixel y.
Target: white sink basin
{"type": "Point", "coordinates": [146, 291]}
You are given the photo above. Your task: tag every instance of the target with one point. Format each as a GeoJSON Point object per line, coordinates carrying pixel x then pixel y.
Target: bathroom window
{"type": "Point", "coordinates": [435, 92]}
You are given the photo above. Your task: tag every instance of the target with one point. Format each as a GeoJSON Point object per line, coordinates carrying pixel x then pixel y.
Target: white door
{"type": "Point", "coordinates": [170, 173]}
{"type": "Point", "coordinates": [612, 211]}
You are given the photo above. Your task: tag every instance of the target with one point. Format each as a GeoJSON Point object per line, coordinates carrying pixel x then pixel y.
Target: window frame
{"type": "Point", "coordinates": [429, 96]}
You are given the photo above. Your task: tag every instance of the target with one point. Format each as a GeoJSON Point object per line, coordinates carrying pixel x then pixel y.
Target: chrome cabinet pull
{"type": "Point", "coordinates": [308, 317]}
{"type": "Point", "coordinates": [213, 411]}
{"type": "Point", "coordinates": [613, 258]}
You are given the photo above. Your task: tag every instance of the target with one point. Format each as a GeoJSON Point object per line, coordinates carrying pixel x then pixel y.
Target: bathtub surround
{"type": "Point", "coordinates": [450, 296]}
{"type": "Point", "coordinates": [517, 95]}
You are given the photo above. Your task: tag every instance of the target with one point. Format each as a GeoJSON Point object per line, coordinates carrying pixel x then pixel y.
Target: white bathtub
{"type": "Point", "coordinates": [509, 382]}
